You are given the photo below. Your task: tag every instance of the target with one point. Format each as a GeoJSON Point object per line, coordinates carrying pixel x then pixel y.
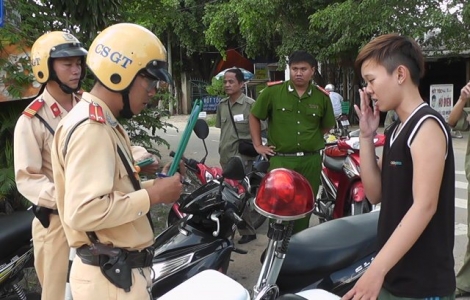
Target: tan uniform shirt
{"type": "Point", "coordinates": [228, 145]}
{"type": "Point", "coordinates": [94, 191]}
{"type": "Point", "coordinates": [32, 152]}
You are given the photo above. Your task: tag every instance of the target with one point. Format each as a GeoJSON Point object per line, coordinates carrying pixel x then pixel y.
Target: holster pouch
{"type": "Point", "coordinates": [117, 270]}
{"type": "Point", "coordinates": [43, 214]}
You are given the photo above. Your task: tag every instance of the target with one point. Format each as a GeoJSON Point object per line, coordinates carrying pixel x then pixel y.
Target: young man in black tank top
{"type": "Point", "coordinates": [413, 181]}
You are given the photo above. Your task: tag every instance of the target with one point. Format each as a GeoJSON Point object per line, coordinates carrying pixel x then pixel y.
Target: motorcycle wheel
{"type": "Point", "coordinates": [358, 208]}
{"type": "Point", "coordinates": [257, 220]}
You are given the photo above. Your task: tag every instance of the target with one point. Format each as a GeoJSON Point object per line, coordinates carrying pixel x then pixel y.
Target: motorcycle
{"type": "Point", "coordinates": [198, 174]}
{"type": "Point", "coordinates": [311, 263]}
{"type": "Point", "coordinates": [342, 126]}
{"type": "Point", "coordinates": [16, 254]}
{"type": "Point", "coordinates": [203, 238]}
{"type": "Point", "coordinates": [341, 192]}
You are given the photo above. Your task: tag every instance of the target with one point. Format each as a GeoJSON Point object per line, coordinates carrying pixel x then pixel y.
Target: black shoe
{"type": "Point", "coordinates": [461, 293]}
{"type": "Point", "coordinates": [247, 238]}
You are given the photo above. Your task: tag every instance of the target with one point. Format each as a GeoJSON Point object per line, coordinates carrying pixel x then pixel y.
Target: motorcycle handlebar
{"type": "Point", "coordinates": [235, 218]}
{"type": "Point", "coordinates": [189, 163]}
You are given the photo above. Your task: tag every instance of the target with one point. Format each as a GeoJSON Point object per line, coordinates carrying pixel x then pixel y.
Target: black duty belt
{"type": "Point", "coordinates": [134, 259]}
{"type": "Point", "coordinates": [297, 154]}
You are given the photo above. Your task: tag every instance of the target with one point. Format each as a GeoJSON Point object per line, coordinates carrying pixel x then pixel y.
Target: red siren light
{"type": "Point", "coordinates": [284, 195]}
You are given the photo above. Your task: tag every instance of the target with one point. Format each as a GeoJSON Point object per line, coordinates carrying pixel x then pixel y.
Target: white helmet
{"type": "Point", "coordinates": [329, 87]}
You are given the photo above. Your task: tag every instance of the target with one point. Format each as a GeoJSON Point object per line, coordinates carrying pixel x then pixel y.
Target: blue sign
{"type": "Point", "coordinates": [210, 103]}
{"type": "Point", "coordinates": [1, 13]}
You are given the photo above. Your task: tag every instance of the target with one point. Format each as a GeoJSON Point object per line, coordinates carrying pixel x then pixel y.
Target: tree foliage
{"type": "Point", "coordinates": [343, 27]}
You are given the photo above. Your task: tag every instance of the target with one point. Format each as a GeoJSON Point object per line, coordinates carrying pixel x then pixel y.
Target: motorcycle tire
{"type": "Point", "coordinates": [257, 219]}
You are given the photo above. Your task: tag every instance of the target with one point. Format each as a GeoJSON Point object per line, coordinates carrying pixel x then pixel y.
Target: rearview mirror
{"type": "Point", "coordinates": [201, 129]}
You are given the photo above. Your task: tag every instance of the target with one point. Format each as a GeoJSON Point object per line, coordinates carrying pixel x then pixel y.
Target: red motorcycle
{"type": "Point", "coordinates": [199, 174]}
{"type": "Point", "coordinates": [341, 192]}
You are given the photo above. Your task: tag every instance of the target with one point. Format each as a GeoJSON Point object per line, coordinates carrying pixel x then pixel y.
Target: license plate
{"type": "Point", "coordinates": [345, 122]}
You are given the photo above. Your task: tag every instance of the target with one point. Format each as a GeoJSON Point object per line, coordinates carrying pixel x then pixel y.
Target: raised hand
{"type": "Point", "coordinates": [369, 117]}
{"type": "Point", "coordinates": [465, 92]}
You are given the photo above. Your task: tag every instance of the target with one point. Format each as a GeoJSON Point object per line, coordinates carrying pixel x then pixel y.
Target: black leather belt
{"type": "Point", "coordinates": [135, 259]}
{"type": "Point", "coordinates": [54, 212]}
{"type": "Point", "coordinates": [297, 154]}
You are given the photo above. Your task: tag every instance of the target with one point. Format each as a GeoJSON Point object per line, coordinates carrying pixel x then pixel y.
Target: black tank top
{"type": "Point", "coordinates": [427, 269]}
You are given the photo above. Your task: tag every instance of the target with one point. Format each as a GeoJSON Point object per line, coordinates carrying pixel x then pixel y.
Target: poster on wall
{"type": "Point", "coordinates": [441, 98]}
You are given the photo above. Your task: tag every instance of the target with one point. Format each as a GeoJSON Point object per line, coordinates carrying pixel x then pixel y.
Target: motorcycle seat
{"type": "Point", "coordinates": [334, 163]}
{"type": "Point", "coordinates": [329, 247]}
{"type": "Point", "coordinates": [15, 231]}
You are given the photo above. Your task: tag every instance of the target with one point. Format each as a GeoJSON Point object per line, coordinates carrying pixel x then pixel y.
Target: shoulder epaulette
{"type": "Point", "coordinates": [96, 113]}
{"type": "Point", "coordinates": [271, 83]}
{"type": "Point", "coordinates": [323, 90]}
{"type": "Point", "coordinates": [33, 108]}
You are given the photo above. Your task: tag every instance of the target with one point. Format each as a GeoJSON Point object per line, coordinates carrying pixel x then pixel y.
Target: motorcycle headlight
{"type": "Point", "coordinates": [168, 267]}
{"type": "Point", "coordinates": [350, 168]}
{"type": "Point", "coordinates": [208, 176]}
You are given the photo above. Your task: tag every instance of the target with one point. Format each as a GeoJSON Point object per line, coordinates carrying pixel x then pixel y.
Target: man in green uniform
{"type": "Point", "coordinates": [298, 115]}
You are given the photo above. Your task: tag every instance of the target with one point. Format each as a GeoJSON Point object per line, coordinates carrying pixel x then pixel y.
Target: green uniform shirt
{"type": "Point", "coordinates": [228, 145]}
{"type": "Point", "coordinates": [295, 123]}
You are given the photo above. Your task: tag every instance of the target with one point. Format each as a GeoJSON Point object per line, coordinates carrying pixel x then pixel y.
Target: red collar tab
{"type": "Point", "coordinates": [96, 113]}
{"type": "Point", "coordinates": [55, 109]}
{"type": "Point", "coordinates": [32, 109]}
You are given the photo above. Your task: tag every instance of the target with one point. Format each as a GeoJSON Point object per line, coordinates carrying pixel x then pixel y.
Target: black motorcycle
{"type": "Point", "coordinates": [16, 254]}
{"type": "Point", "coordinates": [331, 256]}
{"type": "Point", "coordinates": [203, 239]}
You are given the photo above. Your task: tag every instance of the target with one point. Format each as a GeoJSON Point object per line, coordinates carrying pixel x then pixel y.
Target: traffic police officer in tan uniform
{"type": "Point", "coordinates": [58, 63]}
{"type": "Point", "coordinates": [298, 114]}
{"type": "Point", "coordinates": [100, 199]}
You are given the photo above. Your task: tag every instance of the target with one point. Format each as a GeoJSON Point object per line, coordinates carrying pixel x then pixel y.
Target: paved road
{"type": "Point", "coordinates": [245, 268]}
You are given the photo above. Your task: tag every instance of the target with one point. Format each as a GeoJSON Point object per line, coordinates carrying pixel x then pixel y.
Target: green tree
{"type": "Point", "coordinates": [343, 27]}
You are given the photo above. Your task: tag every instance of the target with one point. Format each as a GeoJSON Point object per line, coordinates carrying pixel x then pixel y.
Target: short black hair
{"type": "Point", "coordinates": [238, 74]}
{"type": "Point", "coordinates": [391, 51]}
{"type": "Point", "coordinates": [302, 56]}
